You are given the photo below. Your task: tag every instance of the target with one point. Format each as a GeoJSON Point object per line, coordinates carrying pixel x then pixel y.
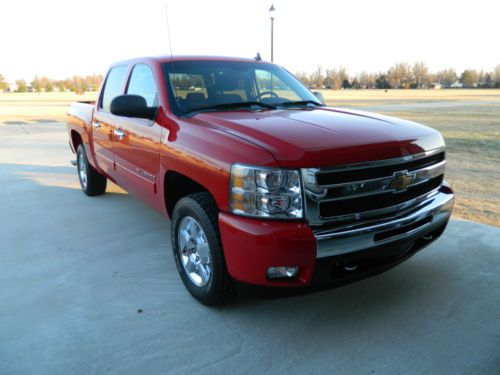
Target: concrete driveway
{"type": "Point", "coordinates": [89, 286]}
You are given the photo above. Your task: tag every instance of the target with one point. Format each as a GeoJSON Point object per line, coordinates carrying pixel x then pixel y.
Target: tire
{"type": "Point", "coordinates": [92, 182]}
{"type": "Point", "coordinates": [195, 234]}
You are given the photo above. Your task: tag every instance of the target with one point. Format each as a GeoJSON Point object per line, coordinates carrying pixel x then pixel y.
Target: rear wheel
{"type": "Point", "coordinates": [91, 181]}
{"type": "Point", "coordinates": [198, 251]}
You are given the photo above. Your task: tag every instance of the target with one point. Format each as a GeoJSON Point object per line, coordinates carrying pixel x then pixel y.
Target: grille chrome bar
{"type": "Point", "coordinates": [383, 184]}
{"type": "Point", "coordinates": [390, 210]}
{"type": "Point", "coordinates": [384, 162]}
{"type": "Point", "coordinates": [395, 185]}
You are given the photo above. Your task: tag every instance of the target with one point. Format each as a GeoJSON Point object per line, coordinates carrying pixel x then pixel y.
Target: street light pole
{"type": "Point", "coordinates": [272, 9]}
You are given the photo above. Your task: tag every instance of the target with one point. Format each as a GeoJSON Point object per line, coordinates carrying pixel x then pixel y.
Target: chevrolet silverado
{"type": "Point", "coordinates": [263, 183]}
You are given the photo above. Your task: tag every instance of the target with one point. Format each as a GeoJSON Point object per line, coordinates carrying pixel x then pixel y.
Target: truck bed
{"type": "Point", "coordinates": [82, 111]}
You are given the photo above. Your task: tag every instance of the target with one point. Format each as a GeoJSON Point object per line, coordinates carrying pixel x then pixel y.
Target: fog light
{"type": "Point", "coordinates": [282, 272]}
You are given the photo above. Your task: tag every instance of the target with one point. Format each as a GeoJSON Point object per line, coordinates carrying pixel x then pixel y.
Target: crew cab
{"type": "Point", "coordinates": [263, 183]}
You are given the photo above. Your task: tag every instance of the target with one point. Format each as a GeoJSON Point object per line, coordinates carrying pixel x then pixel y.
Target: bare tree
{"type": "Point", "coordinates": [367, 80]}
{"type": "Point", "coordinates": [400, 75]}
{"type": "Point", "coordinates": [420, 74]}
{"type": "Point", "coordinates": [335, 78]}
{"type": "Point", "coordinates": [446, 77]}
{"type": "Point", "coordinates": [317, 77]}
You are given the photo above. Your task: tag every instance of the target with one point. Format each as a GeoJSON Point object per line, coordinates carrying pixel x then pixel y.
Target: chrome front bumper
{"type": "Point", "coordinates": [432, 213]}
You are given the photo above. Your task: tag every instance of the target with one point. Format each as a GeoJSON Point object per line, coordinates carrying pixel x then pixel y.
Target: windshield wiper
{"type": "Point", "coordinates": [244, 105]}
{"type": "Point", "coordinates": [223, 106]}
{"type": "Point", "coordinates": [300, 103]}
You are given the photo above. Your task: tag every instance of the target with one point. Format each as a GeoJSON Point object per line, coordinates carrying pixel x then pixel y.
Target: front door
{"type": "Point", "coordinates": [137, 142]}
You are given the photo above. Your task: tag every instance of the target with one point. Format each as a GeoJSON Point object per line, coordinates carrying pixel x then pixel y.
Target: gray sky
{"type": "Point", "coordinates": [62, 38]}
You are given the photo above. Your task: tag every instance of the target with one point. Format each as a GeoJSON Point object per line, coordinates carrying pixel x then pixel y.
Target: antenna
{"type": "Point", "coordinates": [168, 32]}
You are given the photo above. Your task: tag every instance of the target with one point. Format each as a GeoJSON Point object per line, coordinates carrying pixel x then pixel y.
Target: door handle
{"type": "Point", "coordinates": [119, 134]}
{"type": "Point", "coordinates": [96, 124]}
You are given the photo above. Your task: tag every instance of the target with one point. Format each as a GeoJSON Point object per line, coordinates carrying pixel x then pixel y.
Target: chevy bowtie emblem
{"type": "Point", "coordinates": [401, 180]}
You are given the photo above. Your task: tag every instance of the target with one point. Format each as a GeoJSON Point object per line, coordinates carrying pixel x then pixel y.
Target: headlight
{"type": "Point", "coordinates": [265, 192]}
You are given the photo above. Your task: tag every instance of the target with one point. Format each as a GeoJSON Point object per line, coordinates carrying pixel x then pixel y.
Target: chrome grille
{"type": "Point", "coordinates": [355, 193]}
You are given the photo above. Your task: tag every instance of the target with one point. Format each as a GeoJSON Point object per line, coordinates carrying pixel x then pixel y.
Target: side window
{"type": "Point", "coordinates": [266, 81]}
{"type": "Point", "coordinates": [143, 83]}
{"type": "Point", "coordinates": [113, 85]}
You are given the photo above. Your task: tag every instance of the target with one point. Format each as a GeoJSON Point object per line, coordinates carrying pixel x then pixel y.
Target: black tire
{"type": "Point", "coordinates": [94, 183]}
{"type": "Point", "coordinates": [202, 208]}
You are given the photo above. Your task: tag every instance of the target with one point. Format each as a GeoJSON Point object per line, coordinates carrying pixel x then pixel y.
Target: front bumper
{"type": "Point", "coordinates": [329, 256]}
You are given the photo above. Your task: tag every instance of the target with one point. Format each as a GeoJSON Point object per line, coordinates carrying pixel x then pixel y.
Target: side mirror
{"type": "Point", "coordinates": [319, 96]}
{"type": "Point", "coordinates": [132, 106]}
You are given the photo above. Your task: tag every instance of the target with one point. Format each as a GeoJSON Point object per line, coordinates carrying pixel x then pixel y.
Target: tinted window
{"type": "Point", "coordinates": [113, 86]}
{"type": "Point", "coordinates": [142, 83]}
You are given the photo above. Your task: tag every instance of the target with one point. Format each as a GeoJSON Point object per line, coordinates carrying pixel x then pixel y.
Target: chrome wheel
{"type": "Point", "coordinates": [194, 251]}
{"type": "Point", "coordinates": [82, 171]}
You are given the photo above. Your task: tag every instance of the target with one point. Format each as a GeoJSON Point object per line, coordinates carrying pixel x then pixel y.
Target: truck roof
{"type": "Point", "coordinates": [168, 58]}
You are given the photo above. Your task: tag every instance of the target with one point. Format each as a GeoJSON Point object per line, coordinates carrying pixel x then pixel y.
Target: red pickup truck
{"type": "Point", "coordinates": [263, 183]}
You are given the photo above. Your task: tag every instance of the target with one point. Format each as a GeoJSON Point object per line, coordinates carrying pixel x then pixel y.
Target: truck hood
{"type": "Point", "coordinates": [326, 136]}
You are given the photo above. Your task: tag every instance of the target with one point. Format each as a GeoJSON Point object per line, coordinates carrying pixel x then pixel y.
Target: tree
{"type": "Point", "coordinates": [367, 80]}
{"type": "Point", "coordinates": [49, 87]}
{"type": "Point", "coordinates": [317, 77]}
{"type": "Point", "coordinates": [335, 78]}
{"type": "Point", "coordinates": [84, 87]}
{"type": "Point", "coordinates": [3, 83]}
{"type": "Point", "coordinates": [21, 85]}
{"type": "Point", "coordinates": [496, 75]}
{"type": "Point", "coordinates": [382, 82]}
{"type": "Point", "coordinates": [446, 77]}
{"type": "Point", "coordinates": [400, 75]}
{"type": "Point", "coordinates": [469, 78]}
{"type": "Point", "coordinates": [37, 86]}
{"type": "Point", "coordinates": [488, 82]}
{"type": "Point", "coordinates": [420, 74]}
{"type": "Point", "coordinates": [94, 81]}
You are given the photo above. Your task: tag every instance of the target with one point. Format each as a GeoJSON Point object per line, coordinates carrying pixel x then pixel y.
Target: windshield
{"type": "Point", "coordinates": [228, 85]}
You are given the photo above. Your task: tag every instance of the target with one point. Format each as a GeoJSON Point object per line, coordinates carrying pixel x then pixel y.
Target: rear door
{"type": "Point", "coordinates": [104, 123]}
{"type": "Point", "coordinates": [137, 151]}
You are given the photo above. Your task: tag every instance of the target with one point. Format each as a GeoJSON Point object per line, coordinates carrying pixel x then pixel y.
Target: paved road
{"type": "Point", "coordinates": [88, 286]}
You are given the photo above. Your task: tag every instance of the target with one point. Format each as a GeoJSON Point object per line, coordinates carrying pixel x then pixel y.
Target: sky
{"type": "Point", "coordinates": [62, 38]}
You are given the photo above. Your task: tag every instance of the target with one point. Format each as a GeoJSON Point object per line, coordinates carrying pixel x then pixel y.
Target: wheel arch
{"type": "Point", "coordinates": [176, 186]}
{"type": "Point", "coordinates": [76, 139]}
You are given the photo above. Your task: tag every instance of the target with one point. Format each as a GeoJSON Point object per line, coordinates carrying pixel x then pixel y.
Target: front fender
{"type": "Point", "coordinates": [205, 154]}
